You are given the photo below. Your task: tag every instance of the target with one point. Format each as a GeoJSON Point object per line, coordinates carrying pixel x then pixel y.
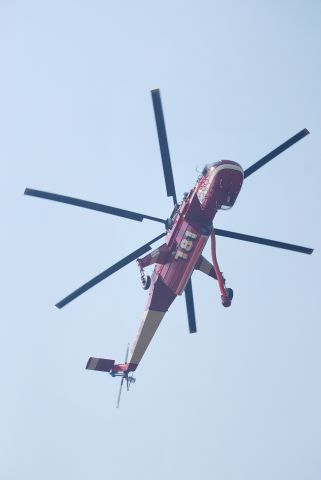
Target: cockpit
{"type": "Point", "coordinates": [210, 166]}
{"type": "Point", "coordinates": [220, 184]}
{"type": "Point", "coordinates": [228, 202]}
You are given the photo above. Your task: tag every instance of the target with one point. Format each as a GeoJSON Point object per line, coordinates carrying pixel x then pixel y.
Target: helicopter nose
{"type": "Point", "coordinates": [220, 185]}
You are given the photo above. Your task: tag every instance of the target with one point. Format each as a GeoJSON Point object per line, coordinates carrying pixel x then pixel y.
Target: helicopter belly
{"type": "Point", "coordinates": [190, 243]}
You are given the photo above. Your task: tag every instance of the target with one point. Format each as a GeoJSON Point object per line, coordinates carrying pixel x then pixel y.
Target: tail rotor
{"type": "Point", "coordinates": [129, 379]}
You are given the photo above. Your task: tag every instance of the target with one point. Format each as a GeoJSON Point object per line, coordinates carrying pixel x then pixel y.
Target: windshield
{"type": "Point", "coordinates": [208, 167]}
{"type": "Point", "coordinates": [228, 203]}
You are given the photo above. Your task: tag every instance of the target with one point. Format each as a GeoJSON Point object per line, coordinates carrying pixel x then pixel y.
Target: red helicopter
{"type": "Point", "coordinates": [186, 233]}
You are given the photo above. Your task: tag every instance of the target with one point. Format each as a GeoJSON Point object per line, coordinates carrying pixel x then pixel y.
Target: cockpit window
{"type": "Point", "coordinates": [209, 166]}
{"type": "Point", "coordinates": [229, 202]}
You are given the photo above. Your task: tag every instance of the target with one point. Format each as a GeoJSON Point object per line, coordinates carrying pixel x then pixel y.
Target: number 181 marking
{"type": "Point", "coordinates": [186, 245]}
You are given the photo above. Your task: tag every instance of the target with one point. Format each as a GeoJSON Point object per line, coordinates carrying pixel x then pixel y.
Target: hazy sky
{"type": "Point", "coordinates": [241, 398]}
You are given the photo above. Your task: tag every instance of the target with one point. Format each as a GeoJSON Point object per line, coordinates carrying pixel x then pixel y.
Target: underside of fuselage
{"type": "Point", "coordinates": [182, 252]}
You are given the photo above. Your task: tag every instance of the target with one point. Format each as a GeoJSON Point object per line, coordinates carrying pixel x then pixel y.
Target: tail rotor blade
{"type": "Point", "coordinates": [276, 152]}
{"type": "Point", "coordinates": [114, 268]}
{"type": "Point", "coordinates": [190, 307]}
{"type": "Point", "coordinates": [119, 393]}
{"type": "Point", "coordinates": [127, 352]}
{"type": "Point", "coordinates": [163, 144]}
{"type": "Point", "coordinates": [119, 212]}
{"type": "Point", "coordinates": [263, 241]}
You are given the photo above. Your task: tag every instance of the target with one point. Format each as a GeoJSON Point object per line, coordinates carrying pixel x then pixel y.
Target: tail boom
{"type": "Point", "coordinates": [159, 300]}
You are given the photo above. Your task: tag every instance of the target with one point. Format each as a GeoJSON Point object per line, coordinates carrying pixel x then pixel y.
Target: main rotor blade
{"type": "Point", "coordinates": [190, 307]}
{"type": "Point", "coordinates": [276, 152]}
{"type": "Point", "coordinates": [114, 268]}
{"type": "Point", "coordinates": [263, 241]}
{"type": "Point", "coordinates": [139, 217]}
{"type": "Point", "coordinates": [163, 144]}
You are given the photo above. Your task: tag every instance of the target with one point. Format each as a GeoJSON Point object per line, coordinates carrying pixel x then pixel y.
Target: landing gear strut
{"type": "Point", "coordinates": [226, 293]}
{"type": "Point", "coordinates": [145, 279]}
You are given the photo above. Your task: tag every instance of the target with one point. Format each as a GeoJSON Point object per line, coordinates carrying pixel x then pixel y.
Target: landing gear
{"type": "Point", "coordinates": [146, 281]}
{"type": "Point", "coordinates": [226, 293]}
{"type": "Point", "coordinates": [227, 299]}
{"type": "Point", "coordinates": [230, 293]}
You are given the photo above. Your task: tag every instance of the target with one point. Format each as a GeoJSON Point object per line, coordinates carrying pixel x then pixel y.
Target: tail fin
{"type": "Point", "coordinates": [119, 370]}
{"type": "Point", "coordinates": [100, 364]}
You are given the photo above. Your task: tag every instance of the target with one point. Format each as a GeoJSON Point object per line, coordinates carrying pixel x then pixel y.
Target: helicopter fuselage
{"type": "Point", "coordinates": [191, 225]}
{"type": "Point", "coordinates": [217, 188]}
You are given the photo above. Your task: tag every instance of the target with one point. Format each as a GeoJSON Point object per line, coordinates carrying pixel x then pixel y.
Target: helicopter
{"type": "Point", "coordinates": [187, 231]}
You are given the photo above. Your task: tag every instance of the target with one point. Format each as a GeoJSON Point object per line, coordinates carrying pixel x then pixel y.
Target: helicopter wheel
{"type": "Point", "coordinates": [226, 301]}
{"type": "Point", "coordinates": [230, 293]}
{"type": "Point", "coordinates": [146, 281]}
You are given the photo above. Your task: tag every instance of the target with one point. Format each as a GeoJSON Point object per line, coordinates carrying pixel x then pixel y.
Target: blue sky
{"type": "Point", "coordinates": [241, 398]}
